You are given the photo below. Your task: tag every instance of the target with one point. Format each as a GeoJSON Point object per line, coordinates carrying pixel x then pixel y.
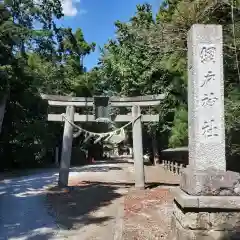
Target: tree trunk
{"type": "Point", "coordinates": [2, 110]}
{"type": "Point", "coordinates": [155, 148]}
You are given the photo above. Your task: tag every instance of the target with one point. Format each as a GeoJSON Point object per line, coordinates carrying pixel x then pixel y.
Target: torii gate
{"type": "Point", "coordinates": [72, 102]}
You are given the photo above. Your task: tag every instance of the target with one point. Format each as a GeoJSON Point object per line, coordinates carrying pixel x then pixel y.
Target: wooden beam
{"type": "Point", "coordinates": [65, 98]}
{"type": "Point", "coordinates": [135, 103]}
{"type": "Point", "coordinates": [149, 100]}
{"type": "Point", "coordinates": [112, 104]}
{"type": "Point", "coordinates": [111, 99]}
{"type": "Point", "coordinates": [77, 118]}
{"type": "Point", "coordinates": [91, 118]}
{"type": "Point", "coordinates": [138, 98]}
{"type": "Point", "coordinates": [66, 103]}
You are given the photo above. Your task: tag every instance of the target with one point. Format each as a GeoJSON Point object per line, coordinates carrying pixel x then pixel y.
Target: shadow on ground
{"type": "Point", "coordinates": [23, 214]}
{"type": "Point", "coordinates": [72, 207]}
{"type": "Point", "coordinates": [96, 168]}
{"type": "Point", "coordinates": [22, 211]}
{"type": "Point", "coordinates": [231, 236]}
{"type": "Point", "coordinates": [148, 185]}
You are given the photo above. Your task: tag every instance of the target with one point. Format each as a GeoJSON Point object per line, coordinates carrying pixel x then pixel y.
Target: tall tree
{"type": "Point", "coordinates": [150, 57]}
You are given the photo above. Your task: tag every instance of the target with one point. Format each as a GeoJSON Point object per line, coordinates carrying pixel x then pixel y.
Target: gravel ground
{"type": "Point", "coordinates": [148, 214]}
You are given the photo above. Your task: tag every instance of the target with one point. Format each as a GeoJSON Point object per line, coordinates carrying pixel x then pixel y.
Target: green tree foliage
{"type": "Point", "coordinates": [75, 48]}
{"type": "Point", "coordinates": [179, 134]}
{"type": "Point", "coordinates": [149, 56]}
{"type": "Point", "coordinates": [175, 19]}
{"type": "Point", "coordinates": [35, 57]}
{"type": "Point", "coordinates": [125, 62]}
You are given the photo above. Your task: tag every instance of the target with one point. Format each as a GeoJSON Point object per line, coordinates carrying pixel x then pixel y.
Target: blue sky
{"type": "Point", "coordinates": [96, 18]}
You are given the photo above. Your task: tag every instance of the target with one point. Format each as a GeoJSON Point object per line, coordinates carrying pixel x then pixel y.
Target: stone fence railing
{"type": "Point", "coordinates": [175, 159]}
{"type": "Point", "coordinates": [173, 167]}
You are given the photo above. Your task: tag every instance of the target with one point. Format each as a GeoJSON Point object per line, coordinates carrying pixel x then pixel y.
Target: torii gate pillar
{"type": "Point", "coordinates": [66, 148]}
{"type": "Point", "coordinates": [138, 148]}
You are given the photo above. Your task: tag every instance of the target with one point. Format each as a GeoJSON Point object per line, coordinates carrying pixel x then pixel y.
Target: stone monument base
{"type": "Point", "coordinates": [205, 217]}
{"type": "Point", "coordinates": [210, 182]}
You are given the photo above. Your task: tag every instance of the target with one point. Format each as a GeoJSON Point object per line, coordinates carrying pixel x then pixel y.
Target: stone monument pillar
{"type": "Point", "coordinates": [207, 204]}
{"type": "Point", "coordinates": [206, 98]}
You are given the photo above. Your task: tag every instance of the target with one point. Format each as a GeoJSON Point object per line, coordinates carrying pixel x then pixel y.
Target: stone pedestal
{"type": "Point", "coordinates": [210, 182]}
{"type": "Point", "coordinates": [207, 205]}
{"type": "Point", "coordinates": [205, 217]}
{"type": "Point", "coordinates": [205, 225]}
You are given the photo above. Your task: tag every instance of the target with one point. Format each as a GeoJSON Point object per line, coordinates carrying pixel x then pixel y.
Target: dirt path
{"type": "Point", "coordinates": [93, 206]}
{"type": "Point", "coordinates": [24, 209]}
{"type": "Point", "coordinates": [90, 206]}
